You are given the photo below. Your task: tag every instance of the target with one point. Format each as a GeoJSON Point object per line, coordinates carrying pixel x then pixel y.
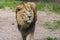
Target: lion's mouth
{"type": "Point", "coordinates": [28, 20]}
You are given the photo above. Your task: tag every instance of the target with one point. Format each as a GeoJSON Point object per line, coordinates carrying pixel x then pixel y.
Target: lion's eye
{"type": "Point", "coordinates": [18, 9]}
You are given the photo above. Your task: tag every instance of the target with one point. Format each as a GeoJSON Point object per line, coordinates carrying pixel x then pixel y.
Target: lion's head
{"type": "Point", "coordinates": [25, 14]}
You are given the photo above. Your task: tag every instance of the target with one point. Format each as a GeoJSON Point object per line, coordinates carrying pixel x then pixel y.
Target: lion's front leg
{"type": "Point", "coordinates": [30, 36]}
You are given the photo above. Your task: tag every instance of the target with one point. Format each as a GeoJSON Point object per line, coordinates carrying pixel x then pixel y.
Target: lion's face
{"type": "Point", "coordinates": [25, 14]}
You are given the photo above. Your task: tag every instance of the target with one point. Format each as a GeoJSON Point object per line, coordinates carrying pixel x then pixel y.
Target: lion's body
{"type": "Point", "coordinates": [26, 19]}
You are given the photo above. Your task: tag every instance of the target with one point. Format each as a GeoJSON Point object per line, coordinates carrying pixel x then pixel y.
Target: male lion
{"type": "Point", "coordinates": [26, 19]}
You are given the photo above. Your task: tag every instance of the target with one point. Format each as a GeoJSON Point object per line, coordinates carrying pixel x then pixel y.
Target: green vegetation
{"type": "Point", "coordinates": [11, 4]}
{"type": "Point", "coordinates": [50, 38]}
{"type": "Point", "coordinates": [55, 7]}
{"type": "Point", "coordinates": [40, 5]}
{"type": "Point", "coordinates": [54, 25]}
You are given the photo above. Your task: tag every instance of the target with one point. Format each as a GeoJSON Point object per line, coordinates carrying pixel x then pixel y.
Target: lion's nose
{"type": "Point", "coordinates": [29, 16]}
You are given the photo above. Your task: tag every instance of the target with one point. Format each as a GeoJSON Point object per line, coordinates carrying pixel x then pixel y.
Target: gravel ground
{"type": "Point", "coordinates": [9, 30]}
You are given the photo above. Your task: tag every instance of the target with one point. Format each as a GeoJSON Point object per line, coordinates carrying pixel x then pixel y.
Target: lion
{"type": "Point", "coordinates": [26, 18]}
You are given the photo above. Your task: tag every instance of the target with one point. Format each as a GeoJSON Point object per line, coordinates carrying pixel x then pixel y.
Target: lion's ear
{"type": "Point", "coordinates": [33, 6]}
{"type": "Point", "coordinates": [19, 7]}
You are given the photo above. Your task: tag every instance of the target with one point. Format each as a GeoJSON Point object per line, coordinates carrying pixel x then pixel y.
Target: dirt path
{"type": "Point", "coordinates": [9, 30]}
{"type": "Point", "coordinates": [41, 31]}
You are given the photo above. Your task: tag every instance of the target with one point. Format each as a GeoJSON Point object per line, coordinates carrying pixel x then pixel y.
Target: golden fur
{"type": "Point", "coordinates": [26, 18]}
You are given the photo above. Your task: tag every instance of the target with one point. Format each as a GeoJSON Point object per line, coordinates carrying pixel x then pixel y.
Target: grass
{"type": "Point", "coordinates": [55, 7]}
{"type": "Point", "coordinates": [50, 38]}
{"type": "Point", "coordinates": [11, 4]}
{"type": "Point", "coordinates": [54, 25]}
{"type": "Point", "coordinates": [40, 5]}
